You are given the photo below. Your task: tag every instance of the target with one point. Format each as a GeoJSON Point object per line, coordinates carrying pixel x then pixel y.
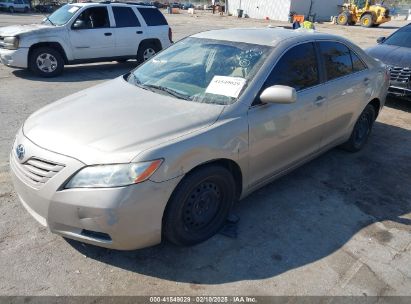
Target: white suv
{"type": "Point", "coordinates": [15, 5]}
{"type": "Point", "coordinates": [83, 33]}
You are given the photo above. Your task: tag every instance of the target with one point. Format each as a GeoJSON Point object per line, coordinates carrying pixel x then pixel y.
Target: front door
{"type": "Point", "coordinates": [91, 35]}
{"type": "Point", "coordinates": [280, 135]}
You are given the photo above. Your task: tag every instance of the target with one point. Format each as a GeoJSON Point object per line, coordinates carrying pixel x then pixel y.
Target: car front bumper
{"type": "Point", "coordinates": [122, 218]}
{"type": "Point", "coordinates": [14, 58]}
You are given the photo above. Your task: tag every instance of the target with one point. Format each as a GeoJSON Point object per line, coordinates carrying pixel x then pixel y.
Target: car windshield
{"type": "Point", "coordinates": [400, 38]}
{"type": "Point", "coordinates": [202, 70]}
{"type": "Point", "coordinates": [62, 15]}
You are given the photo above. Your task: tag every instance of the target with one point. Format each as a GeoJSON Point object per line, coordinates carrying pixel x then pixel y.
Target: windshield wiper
{"type": "Point", "coordinates": [48, 19]}
{"type": "Point", "coordinates": [168, 91]}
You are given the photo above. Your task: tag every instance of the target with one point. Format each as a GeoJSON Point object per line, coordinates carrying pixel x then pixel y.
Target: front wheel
{"type": "Point", "coordinates": [199, 206]}
{"type": "Point", "coordinates": [46, 62]}
{"type": "Point", "coordinates": [11, 9]}
{"type": "Point", "coordinates": [366, 20]}
{"type": "Point", "coordinates": [343, 19]}
{"type": "Point", "coordinates": [362, 130]}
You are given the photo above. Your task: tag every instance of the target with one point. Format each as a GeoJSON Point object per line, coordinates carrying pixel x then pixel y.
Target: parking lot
{"type": "Point", "coordinates": [339, 225]}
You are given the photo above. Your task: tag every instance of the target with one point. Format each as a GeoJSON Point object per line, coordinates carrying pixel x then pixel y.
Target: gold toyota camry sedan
{"type": "Point", "coordinates": [164, 151]}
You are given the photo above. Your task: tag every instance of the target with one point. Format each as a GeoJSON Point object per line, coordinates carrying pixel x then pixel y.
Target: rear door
{"type": "Point", "coordinates": [347, 85]}
{"type": "Point", "coordinates": [129, 32]}
{"type": "Point", "coordinates": [281, 135]}
{"type": "Point", "coordinates": [157, 26]}
{"type": "Point", "coordinates": [92, 35]}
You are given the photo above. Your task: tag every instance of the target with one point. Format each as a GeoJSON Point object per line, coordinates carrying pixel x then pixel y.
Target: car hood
{"type": "Point", "coordinates": [15, 30]}
{"type": "Point", "coordinates": [115, 121]}
{"type": "Point", "coordinates": [391, 54]}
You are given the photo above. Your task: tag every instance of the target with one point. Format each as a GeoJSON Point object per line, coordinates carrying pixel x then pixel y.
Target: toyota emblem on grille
{"type": "Point", "coordinates": [20, 151]}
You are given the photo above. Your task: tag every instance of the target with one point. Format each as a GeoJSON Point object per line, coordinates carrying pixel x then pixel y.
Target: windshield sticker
{"type": "Point", "coordinates": [226, 86]}
{"type": "Point", "coordinates": [73, 9]}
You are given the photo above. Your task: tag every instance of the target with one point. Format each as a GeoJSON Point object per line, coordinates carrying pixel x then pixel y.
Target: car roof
{"type": "Point", "coordinates": [263, 36]}
{"type": "Point", "coordinates": [110, 3]}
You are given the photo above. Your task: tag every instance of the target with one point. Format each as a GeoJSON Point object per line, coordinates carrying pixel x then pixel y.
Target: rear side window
{"type": "Point", "coordinates": [298, 68]}
{"type": "Point", "coordinates": [357, 64]}
{"type": "Point", "coordinates": [339, 60]}
{"type": "Point", "coordinates": [125, 17]}
{"type": "Point", "coordinates": [152, 16]}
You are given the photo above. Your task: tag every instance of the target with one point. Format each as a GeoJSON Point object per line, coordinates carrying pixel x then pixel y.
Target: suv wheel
{"type": "Point", "coordinates": [146, 50]}
{"type": "Point", "coordinates": [362, 130]}
{"type": "Point", "coordinates": [199, 206]}
{"type": "Point", "coordinates": [46, 62]}
{"type": "Point", "coordinates": [26, 10]}
{"type": "Point", "coordinates": [11, 9]}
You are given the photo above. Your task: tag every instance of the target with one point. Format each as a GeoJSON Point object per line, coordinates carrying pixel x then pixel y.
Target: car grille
{"type": "Point", "coordinates": [37, 171]}
{"type": "Point", "coordinates": [399, 74]}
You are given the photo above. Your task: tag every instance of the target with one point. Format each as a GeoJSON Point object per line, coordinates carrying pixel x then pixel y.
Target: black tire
{"type": "Point", "coordinates": [199, 206]}
{"type": "Point", "coordinates": [361, 131]}
{"type": "Point", "coordinates": [344, 18]}
{"type": "Point", "coordinates": [366, 20]}
{"type": "Point", "coordinates": [26, 10]}
{"type": "Point", "coordinates": [146, 46]}
{"type": "Point", "coordinates": [52, 68]}
{"type": "Point", "coordinates": [11, 9]}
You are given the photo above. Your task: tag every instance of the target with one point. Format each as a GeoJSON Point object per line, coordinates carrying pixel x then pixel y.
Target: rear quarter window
{"type": "Point", "coordinates": [125, 17]}
{"type": "Point", "coordinates": [152, 16]}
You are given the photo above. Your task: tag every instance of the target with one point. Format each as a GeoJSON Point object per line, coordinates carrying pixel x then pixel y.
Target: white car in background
{"type": "Point", "coordinates": [15, 5]}
{"type": "Point", "coordinates": [83, 33]}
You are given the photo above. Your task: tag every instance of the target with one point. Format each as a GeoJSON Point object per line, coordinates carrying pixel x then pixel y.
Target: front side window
{"type": "Point", "coordinates": [62, 15]}
{"type": "Point", "coordinates": [125, 17]}
{"type": "Point", "coordinates": [298, 68]}
{"type": "Point", "coordinates": [202, 70]}
{"type": "Point", "coordinates": [93, 18]}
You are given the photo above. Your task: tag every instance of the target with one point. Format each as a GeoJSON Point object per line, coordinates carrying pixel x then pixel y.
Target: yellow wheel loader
{"type": "Point", "coordinates": [366, 12]}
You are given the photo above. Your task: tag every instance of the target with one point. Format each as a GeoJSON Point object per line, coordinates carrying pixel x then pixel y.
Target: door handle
{"type": "Point", "coordinates": [319, 100]}
{"type": "Point", "coordinates": [139, 32]}
{"type": "Point", "coordinates": [108, 34]}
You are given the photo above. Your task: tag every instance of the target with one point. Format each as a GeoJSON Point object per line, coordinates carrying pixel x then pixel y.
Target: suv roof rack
{"type": "Point", "coordinates": [120, 2]}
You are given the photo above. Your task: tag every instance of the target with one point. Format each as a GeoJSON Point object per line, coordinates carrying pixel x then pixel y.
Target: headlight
{"type": "Point", "coordinates": [118, 175]}
{"type": "Point", "coordinates": [11, 43]}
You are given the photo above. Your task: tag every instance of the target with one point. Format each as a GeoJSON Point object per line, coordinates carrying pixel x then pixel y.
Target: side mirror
{"type": "Point", "coordinates": [79, 24]}
{"type": "Point", "coordinates": [380, 40]}
{"type": "Point", "coordinates": [279, 94]}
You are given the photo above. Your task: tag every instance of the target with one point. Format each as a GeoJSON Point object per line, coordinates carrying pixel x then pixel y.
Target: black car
{"type": "Point", "coordinates": [395, 51]}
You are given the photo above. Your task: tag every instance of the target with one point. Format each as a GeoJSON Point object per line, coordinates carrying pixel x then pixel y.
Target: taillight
{"type": "Point", "coordinates": [170, 34]}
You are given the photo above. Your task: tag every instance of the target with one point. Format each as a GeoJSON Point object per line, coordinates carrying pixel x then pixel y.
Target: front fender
{"type": "Point", "coordinates": [226, 139]}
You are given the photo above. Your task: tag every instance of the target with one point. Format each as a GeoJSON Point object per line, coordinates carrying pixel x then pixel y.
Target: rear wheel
{"type": "Point", "coordinates": [46, 62]}
{"type": "Point", "coordinates": [146, 50]}
{"type": "Point", "coordinates": [11, 9]}
{"type": "Point", "coordinates": [199, 206]}
{"type": "Point", "coordinates": [362, 130]}
{"type": "Point", "coordinates": [26, 10]}
{"type": "Point", "coordinates": [366, 20]}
